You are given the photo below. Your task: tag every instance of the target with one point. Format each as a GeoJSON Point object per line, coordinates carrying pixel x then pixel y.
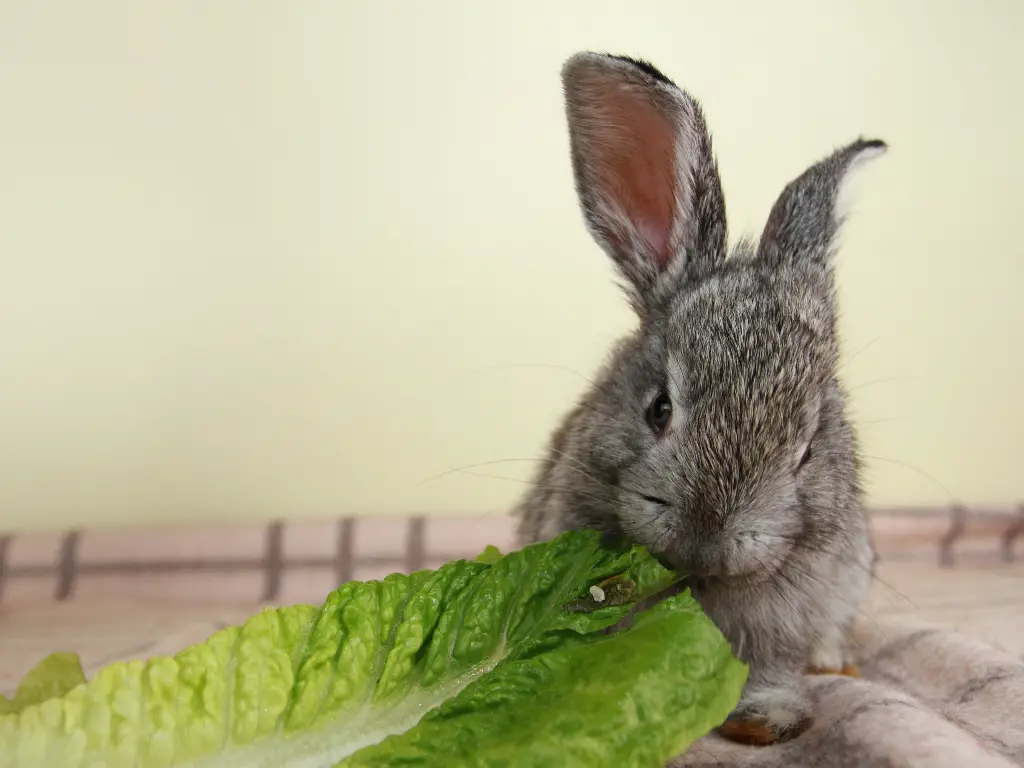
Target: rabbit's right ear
{"type": "Point", "coordinates": [645, 173]}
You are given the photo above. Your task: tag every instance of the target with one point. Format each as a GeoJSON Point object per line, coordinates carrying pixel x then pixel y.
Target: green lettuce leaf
{"type": "Point", "coordinates": [54, 676]}
{"type": "Point", "coordinates": [499, 661]}
{"type": "Point", "coordinates": [636, 698]}
{"type": "Point", "coordinates": [490, 555]}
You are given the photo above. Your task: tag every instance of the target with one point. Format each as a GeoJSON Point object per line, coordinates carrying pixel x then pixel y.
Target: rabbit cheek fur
{"type": "Point", "coordinates": [716, 434]}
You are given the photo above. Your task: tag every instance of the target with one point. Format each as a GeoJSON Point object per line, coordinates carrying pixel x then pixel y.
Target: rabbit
{"type": "Point", "coordinates": [717, 434]}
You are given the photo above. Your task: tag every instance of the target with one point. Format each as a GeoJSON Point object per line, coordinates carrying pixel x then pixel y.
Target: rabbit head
{"type": "Point", "coordinates": [716, 434]}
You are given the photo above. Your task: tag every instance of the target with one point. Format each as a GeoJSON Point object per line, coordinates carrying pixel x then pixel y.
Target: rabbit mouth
{"type": "Point", "coordinates": [733, 582]}
{"type": "Point", "coordinates": [718, 564]}
{"type": "Point", "coordinates": [747, 573]}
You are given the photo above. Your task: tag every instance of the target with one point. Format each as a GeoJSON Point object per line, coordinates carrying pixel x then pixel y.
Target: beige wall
{"type": "Point", "coordinates": [263, 257]}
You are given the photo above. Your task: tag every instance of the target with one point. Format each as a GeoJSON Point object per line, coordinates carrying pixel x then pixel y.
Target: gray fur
{"type": "Point", "coordinates": [746, 349]}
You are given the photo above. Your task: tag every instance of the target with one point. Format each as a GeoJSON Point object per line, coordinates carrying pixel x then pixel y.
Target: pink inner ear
{"type": "Point", "coordinates": [636, 164]}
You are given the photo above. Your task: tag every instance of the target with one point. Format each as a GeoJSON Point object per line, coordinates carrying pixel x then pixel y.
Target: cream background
{"type": "Point", "coordinates": [262, 258]}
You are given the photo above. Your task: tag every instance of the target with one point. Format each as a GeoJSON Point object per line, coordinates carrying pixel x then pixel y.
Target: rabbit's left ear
{"type": "Point", "coordinates": [804, 221]}
{"type": "Point", "coordinates": [645, 174]}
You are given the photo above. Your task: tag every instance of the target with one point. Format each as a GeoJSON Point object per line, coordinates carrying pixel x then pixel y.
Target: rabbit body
{"type": "Point", "coordinates": [716, 434]}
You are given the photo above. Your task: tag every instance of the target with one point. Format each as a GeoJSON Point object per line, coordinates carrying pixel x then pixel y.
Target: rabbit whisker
{"type": "Point", "coordinates": [832, 590]}
{"type": "Point", "coordinates": [812, 547]}
{"type": "Point", "coordinates": [546, 486]}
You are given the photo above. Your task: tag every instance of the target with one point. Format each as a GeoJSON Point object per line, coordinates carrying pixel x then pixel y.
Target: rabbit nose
{"type": "Point", "coordinates": [695, 563]}
{"type": "Point", "coordinates": [701, 563]}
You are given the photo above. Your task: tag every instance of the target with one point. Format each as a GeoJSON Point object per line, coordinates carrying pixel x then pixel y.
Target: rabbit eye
{"type": "Point", "coordinates": [659, 413]}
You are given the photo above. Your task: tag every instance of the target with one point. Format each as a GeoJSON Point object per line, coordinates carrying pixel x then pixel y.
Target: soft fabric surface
{"type": "Point", "coordinates": [927, 696]}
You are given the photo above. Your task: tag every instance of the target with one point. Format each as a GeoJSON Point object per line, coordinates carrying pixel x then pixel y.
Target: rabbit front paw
{"type": "Point", "coordinates": [768, 716]}
{"type": "Point", "coordinates": [830, 654]}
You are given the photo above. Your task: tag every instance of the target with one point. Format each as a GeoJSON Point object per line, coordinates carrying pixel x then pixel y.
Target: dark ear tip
{"type": "Point", "coordinates": [609, 62]}
{"type": "Point", "coordinates": [876, 144]}
{"type": "Point", "coordinates": [646, 67]}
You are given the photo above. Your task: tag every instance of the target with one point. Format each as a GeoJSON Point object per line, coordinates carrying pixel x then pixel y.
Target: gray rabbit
{"type": "Point", "coordinates": [717, 433]}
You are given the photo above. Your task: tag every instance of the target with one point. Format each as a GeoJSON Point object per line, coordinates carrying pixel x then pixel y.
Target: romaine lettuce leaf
{"type": "Point", "coordinates": [54, 676]}
{"type": "Point", "coordinates": [499, 661]}
{"type": "Point", "coordinates": [636, 698]}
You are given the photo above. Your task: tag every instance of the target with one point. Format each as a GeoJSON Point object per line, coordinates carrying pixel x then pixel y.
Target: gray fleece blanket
{"type": "Point", "coordinates": [926, 697]}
